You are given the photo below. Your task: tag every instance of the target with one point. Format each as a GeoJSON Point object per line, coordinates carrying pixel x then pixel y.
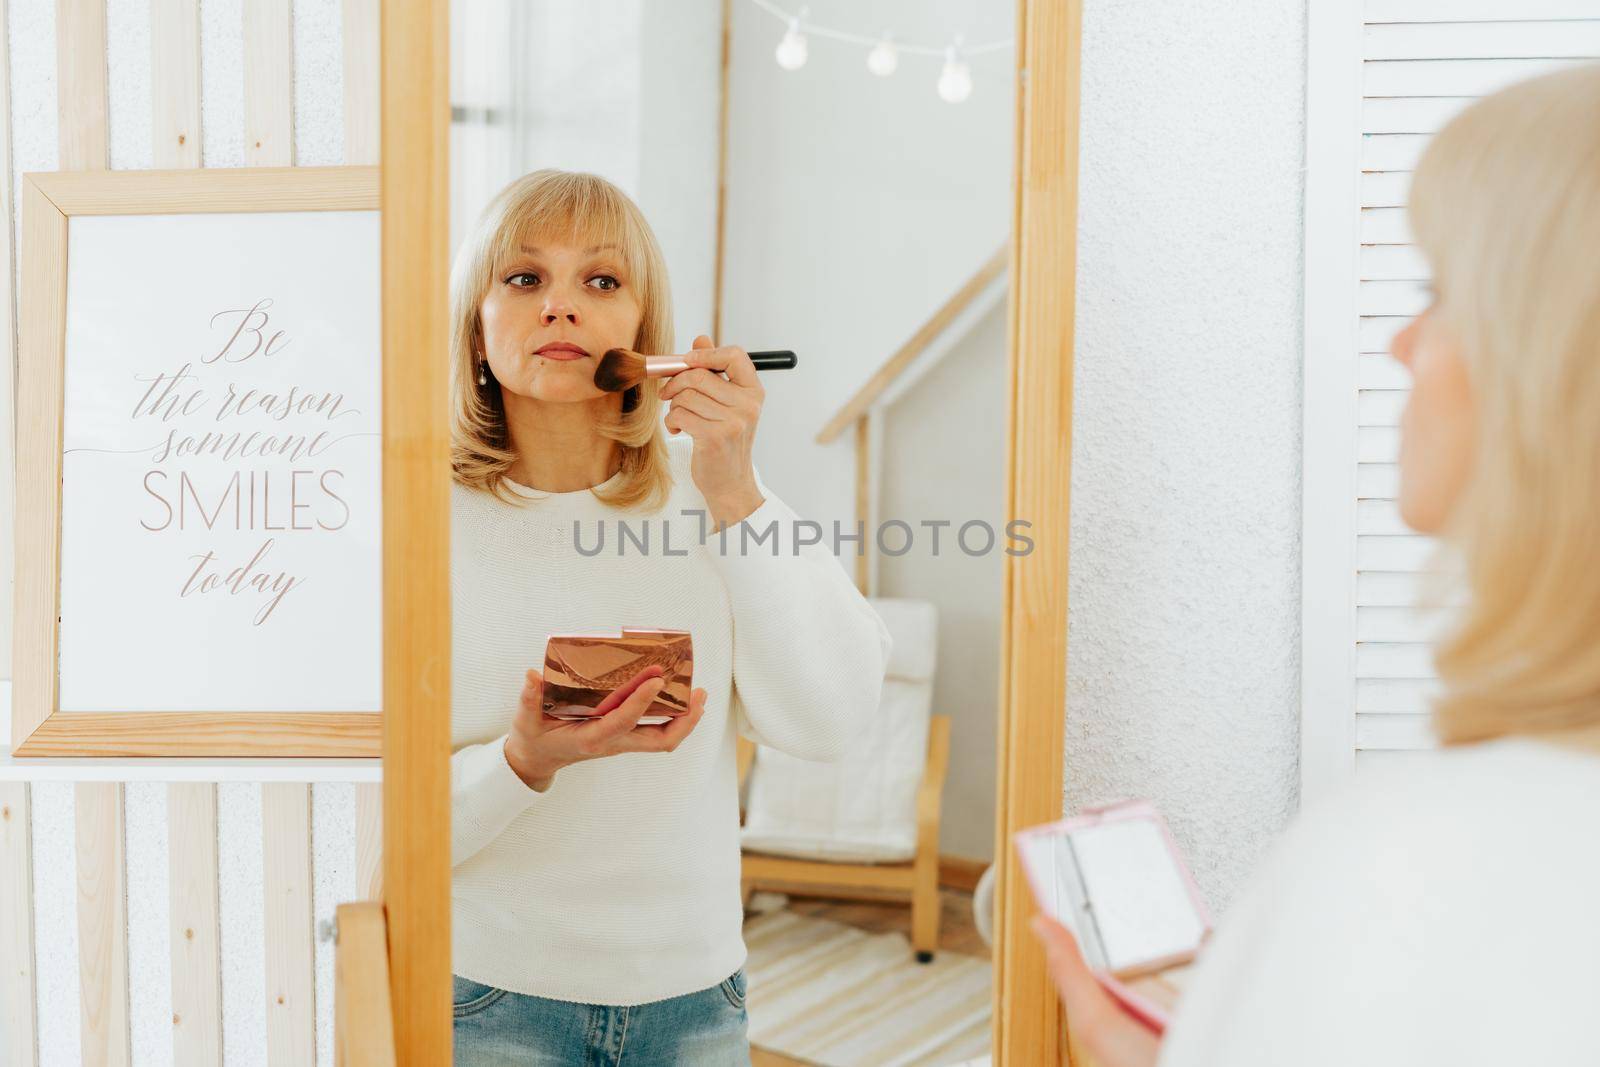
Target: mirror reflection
{"type": "Point", "coordinates": [728, 447]}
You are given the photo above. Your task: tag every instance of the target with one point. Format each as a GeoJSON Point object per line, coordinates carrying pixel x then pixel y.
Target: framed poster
{"type": "Point", "coordinates": [199, 461]}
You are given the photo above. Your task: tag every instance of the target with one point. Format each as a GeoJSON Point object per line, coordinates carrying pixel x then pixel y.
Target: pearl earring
{"type": "Point", "coordinates": [482, 378]}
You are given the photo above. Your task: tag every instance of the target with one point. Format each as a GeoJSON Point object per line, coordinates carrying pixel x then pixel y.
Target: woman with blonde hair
{"type": "Point", "coordinates": [596, 905]}
{"type": "Point", "coordinates": [1448, 913]}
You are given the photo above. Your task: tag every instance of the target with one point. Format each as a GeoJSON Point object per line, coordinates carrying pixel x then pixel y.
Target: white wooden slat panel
{"type": "Point", "coordinates": [1393, 263]}
{"type": "Point", "coordinates": [8, 353]}
{"type": "Point", "coordinates": [1393, 552]}
{"type": "Point", "coordinates": [18, 1023]}
{"type": "Point", "coordinates": [1377, 444]}
{"type": "Point", "coordinates": [1394, 732]}
{"type": "Point", "coordinates": [1382, 372]}
{"type": "Point", "coordinates": [1389, 189]}
{"type": "Point", "coordinates": [1453, 77]}
{"type": "Point", "coordinates": [1394, 661]}
{"type": "Point", "coordinates": [1378, 11]}
{"type": "Point", "coordinates": [369, 841]}
{"type": "Point", "coordinates": [175, 93]}
{"type": "Point", "coordinates": [102, 925]}
{"type": "Point", "coordinates": [1380, 517]}
{"type": "Point", "coordinates": [240, 885]}
{"type": "Point", "coordinates": [1377, 481]}
{"type": "Point", "coordinates": [1375, 332]}
{"type": "Point", "coordinates": [1390, 152]}
{"type": "Point", "coordinates": [1409, 114]}
{"type": "Point", "coordinates": [1381, 407]}
{"type": "Point", "coordinates": [1403, 625]}
{"type": "Point", "coordinates": [360, 82]}
{"type": "Point", "coordinates": [195, 924]}
{"type": "Point", "coordinates": [1405, 298]}
{"type": "Point", "coordinates": [1483, 40]}
{"type": "Point", "coordinates": [268, 83]}
{"type": "Point", "coordinates": [287, 904]}
{"type": "Point", "coordinates": [1385, 226]}
{"type": "Point", "coordinates": [1396, 696]}
{"type": "Point", "coordinates": [82, 105]}
{"type": "Point", "coordinates": [149, 908]}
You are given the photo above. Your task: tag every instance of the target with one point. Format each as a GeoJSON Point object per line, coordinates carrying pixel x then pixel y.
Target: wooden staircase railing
{"type": "Point", "coordinates": [859, 409]}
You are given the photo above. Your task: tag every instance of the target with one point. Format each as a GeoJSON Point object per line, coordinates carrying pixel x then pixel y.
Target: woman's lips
{"type": "Point", "coordinates": [561, 350]}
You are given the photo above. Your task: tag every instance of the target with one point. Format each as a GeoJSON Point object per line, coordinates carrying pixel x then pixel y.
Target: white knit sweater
{"type": "Point", "coordinates": [619, 884]}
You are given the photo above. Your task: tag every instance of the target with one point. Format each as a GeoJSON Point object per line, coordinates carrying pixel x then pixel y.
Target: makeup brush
{"type": "Point", "coordinates": [623, 368]}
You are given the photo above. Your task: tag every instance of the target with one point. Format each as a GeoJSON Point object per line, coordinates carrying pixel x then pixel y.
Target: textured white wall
{"type": "Point", "coordinates": [1184, 619]}
{"type": "Point", "coordinates": [319, 139]}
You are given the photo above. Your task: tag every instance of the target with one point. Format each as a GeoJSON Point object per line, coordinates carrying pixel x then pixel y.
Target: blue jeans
{"type": "Point", "coordinates": [496, 1028]}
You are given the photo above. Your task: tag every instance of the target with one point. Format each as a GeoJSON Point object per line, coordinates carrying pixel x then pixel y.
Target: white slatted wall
{"type": "Point", "coordinates": [1383, 76]}
{"type": "Point", "coordinates": [161, 912]}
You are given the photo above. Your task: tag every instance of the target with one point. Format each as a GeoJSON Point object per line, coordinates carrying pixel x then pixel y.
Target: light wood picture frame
{"type": "Point", "coordinates": [39, 727]}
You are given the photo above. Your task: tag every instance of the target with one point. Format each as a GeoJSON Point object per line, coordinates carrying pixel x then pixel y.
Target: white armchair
{"type": "Point", "coordinates": [869, 821]}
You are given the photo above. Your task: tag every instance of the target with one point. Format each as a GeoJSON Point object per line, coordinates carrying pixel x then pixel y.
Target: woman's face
{"type": "Point", "coordinates": [1436, 432]}
{"type": "Point", "coordinates": [551, 312]}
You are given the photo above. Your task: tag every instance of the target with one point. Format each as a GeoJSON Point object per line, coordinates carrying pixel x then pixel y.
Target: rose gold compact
{"type": "Point", "coordinates": [581, 670]}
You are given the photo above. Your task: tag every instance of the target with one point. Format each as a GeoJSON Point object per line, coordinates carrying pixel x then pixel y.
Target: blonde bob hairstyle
{"type": "Point", "coordinates": [556, 205]}
{"type": "Point", "coordinates": [1505, 205]}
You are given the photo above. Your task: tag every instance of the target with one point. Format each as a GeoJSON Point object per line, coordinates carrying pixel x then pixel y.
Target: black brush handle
{"type": "Point", "coordinates": [784, 360]}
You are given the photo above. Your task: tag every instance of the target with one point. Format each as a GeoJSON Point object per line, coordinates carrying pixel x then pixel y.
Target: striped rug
{"type": "Point", "coordinates": [836, 996]}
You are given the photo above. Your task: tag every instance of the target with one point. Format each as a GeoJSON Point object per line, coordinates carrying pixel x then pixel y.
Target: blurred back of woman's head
{"type": "Point", "coordinates": [1505, 205]}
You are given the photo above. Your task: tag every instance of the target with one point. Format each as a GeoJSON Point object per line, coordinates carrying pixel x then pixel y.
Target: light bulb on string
{"type": "Point", "coordinates": [884, 58]}
{"type": "Point", "coordinates": [955, 80]}
{"type": "Point", "coordinates": [791, 51]}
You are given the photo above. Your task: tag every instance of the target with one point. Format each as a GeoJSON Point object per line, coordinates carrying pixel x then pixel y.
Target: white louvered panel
{"type": "Point", "coordinates": [1377, 444]}
{"type": "Point", "coordinates": [1409, 114]}
{"type": "Point", "coordinates": [1403, 298]}
{"type": "Point", "coordinates": [1423, 61]}
{"type": "Point", "coordinates": [1482, 40]}
{"type": "Point", "coordinates": [1397, 552]}
{"type": "Point", "coordinates": [1393, 732]}
{"type": "Point", "coordinates": [1453, 77]}
{"type": "Point", "coordinates": [1377, 332]}
{"type": "Point", "coordinates": [1381, 11]}
{"type": "Point", "coordinates": [1385, 226]}
{"type": "Point", "coordinates": [1395, 696]}
{"type": "Point", "coordinates": [1387, 189]}
{"type": "Point", "coordinates": [1393, 661]}
{"type": "Point", "coordinates": [1380, 518]}
{"type": "Point", "coordinates": [1381, 407]}
{"type": "Point", "coordinates": [1397, 263]}
{"type": "Point", "coordinates": [1392, 151]}
{"type": "Point", "coordinates": [1375, 372]}
{"type": "Point", "coordinates": [1380, 481]}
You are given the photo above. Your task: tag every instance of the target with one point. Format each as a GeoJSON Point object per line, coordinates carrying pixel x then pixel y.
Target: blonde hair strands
{"type": "Point", "coordinates": [1506, 206]}
{"type": "Point", "coordinates": [577, 208]}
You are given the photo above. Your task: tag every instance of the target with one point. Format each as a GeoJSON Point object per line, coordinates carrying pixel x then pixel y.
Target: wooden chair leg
{"type": "Point", "coordinates": [925, 906]}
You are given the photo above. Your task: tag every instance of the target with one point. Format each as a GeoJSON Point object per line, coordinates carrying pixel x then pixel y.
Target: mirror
{"type": "Point", "coordinates": [800, 868]}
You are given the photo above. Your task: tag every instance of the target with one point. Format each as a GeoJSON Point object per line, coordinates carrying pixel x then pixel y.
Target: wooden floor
{"type": "Point", "coordinates": [957, 933]}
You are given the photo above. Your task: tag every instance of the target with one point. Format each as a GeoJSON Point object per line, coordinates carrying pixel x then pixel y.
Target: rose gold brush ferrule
{"type": "Point", "coordinates": [658, 366]}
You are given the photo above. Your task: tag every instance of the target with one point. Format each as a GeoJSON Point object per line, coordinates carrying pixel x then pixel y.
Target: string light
{"type": "Point", "coordinates": [883, 57]}
{"type": "Point", "coordinates": [791, 51]}
{"type": "Point", "coordinates": [955, 80]}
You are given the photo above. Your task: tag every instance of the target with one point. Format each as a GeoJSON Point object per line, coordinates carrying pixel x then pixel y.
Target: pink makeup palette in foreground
{"type": "Point", "coordinates": [1114, 877]}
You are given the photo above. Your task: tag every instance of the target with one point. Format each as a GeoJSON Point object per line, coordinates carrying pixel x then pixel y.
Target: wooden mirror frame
{"type": "Point", "coordinates": [415, 94]}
